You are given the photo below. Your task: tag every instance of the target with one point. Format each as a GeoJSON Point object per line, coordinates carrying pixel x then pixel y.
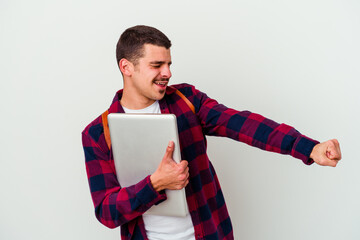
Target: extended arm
{"type": "Point", "coordinates": [250, 128]}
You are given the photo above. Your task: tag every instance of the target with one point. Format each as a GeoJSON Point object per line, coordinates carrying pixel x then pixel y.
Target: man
{"type": "Point", "coordinates": [143, 56]}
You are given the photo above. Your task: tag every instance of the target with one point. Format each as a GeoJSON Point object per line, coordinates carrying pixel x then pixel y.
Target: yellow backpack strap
{"type": "Point", "coordinates": [106, 128]}
{"type": "Point", "coordinates": [186, 100]}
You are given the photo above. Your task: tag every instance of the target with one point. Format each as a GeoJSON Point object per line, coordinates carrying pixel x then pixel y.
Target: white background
{"type": "Point", "coordinates": [295, 62]}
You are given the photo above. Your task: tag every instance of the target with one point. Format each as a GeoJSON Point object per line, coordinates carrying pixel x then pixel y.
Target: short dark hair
{"type": "Point", "coordinates": [131, 42]}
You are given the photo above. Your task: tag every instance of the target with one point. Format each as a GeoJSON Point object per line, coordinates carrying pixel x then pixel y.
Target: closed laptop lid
{"type": "Point", "coordinates": [139, 143]}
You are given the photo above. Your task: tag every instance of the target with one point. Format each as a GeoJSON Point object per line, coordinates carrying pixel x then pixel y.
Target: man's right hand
{"type": "Point", "coordinates": [169, 174]}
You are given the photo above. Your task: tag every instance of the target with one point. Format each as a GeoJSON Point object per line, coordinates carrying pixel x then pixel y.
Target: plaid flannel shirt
{"type": "Point", "coordinates": [116, 206]}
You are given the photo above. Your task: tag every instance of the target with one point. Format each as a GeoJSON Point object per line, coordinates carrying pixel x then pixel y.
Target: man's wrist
{"type": "Point", "coordinates": [155, 183]}
{"type": "Point", "coordinates": [312, 154]}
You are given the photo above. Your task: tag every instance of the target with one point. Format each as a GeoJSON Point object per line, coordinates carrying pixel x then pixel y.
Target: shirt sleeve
{"type": "Point", "coordinates": [251, 128]}
{"type": "Point", "coordinates": [114, 205]}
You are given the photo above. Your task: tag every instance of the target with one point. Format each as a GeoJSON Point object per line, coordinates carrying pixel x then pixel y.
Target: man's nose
{"type": "Point", "coordinates": [165, 72]}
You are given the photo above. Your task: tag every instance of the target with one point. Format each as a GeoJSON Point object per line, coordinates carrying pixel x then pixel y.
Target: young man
{"type": "Point", "coordinates": [143, 56]}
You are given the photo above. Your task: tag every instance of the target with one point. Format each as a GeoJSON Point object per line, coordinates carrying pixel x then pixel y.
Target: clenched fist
{"type": "Point", "coordinates": [327, 153]}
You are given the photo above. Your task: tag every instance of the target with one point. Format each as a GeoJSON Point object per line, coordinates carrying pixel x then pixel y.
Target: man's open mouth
{"type": "Point", "coordinates": [161, 83]}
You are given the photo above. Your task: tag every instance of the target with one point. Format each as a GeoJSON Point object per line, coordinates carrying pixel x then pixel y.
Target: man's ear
{"type": "Point", "coordinates": [126, 67]}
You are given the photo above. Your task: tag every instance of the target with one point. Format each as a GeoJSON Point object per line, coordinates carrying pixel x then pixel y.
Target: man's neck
{"type": "Point", "coordinates": [130, 101]}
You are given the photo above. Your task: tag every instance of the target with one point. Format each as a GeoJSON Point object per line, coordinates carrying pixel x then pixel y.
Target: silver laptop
{"type": "Point", "coordinates": [139, 142]}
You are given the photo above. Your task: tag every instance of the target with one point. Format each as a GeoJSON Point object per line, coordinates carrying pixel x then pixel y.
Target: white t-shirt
{"type": "Point", "coordinates": [165, 227]}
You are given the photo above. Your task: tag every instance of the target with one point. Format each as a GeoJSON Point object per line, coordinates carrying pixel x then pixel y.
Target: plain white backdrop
{"type": "Point", "coordinates": [295, 62]}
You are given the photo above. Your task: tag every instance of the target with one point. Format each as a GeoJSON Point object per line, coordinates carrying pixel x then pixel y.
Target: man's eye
{"type": "Point", "coordinates": [155, 66]}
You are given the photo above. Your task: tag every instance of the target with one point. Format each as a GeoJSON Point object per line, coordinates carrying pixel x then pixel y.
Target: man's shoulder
{"type": "Point", "coordinates": [94, 129]}
{"type": "Point", "coordinates": [185, 88]}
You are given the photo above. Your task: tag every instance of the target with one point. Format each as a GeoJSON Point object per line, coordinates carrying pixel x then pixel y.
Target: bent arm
{"type": "Point", "coordinates": [115, 206]}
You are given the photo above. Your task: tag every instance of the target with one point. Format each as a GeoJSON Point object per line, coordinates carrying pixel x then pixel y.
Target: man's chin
{"type": "Point", "coordinates": [160, 95]}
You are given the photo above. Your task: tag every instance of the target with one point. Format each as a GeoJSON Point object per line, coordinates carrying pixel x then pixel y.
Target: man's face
{"type": "Point", "coordinates": [151, 73]}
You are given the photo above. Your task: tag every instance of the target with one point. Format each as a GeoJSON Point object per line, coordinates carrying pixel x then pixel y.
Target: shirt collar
{"type": "Point", "coordinates": [116, 107]}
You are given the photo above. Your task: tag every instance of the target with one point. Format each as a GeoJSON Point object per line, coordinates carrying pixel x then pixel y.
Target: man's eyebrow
{"type": "Point", "coordinates": [160, 62]}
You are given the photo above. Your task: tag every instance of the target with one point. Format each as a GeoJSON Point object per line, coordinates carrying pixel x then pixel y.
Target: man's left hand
{"type": "Point", "coordinates": [326, 153]}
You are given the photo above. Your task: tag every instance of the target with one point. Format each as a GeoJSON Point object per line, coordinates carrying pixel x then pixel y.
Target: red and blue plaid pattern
{"type": "Point", "coordinates": [116, 206]}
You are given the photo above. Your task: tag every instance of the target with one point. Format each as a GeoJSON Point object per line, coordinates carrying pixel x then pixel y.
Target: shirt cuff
{"type": "Point", "coordinates": [302, 149]}
{"type": "Point", "coordinates": [146, 193]}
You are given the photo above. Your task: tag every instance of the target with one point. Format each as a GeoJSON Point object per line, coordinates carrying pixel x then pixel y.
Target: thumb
{"type": "Point", "coordinates": [169, 150]}
{"type": "Point", "coordinates": [324, 161]}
